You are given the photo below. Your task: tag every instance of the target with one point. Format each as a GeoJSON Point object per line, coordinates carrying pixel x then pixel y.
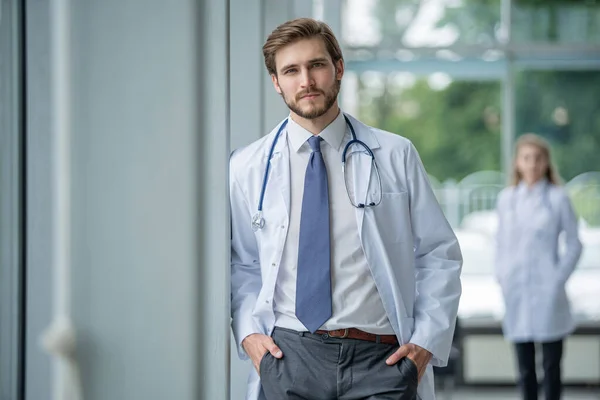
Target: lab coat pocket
{"type": "Point", "coordinates": [392, 217]}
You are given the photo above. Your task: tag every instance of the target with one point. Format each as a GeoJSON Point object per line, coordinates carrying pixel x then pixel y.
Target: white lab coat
{"type": "Point", "coordinates": [529, 269]}
{"type": "Point", "coordinates": [411, 250]}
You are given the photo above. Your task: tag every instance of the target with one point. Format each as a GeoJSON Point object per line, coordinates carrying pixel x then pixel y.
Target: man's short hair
{"type": "Point", "coordinates": [298, 29]}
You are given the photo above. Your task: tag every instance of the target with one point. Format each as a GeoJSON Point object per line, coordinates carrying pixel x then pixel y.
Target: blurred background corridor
{"type": "Point", "coordinates": [117, 118]}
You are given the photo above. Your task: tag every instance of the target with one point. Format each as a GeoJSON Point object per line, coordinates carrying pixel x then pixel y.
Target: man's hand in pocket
{"type": "Point", "coordinates": [257, 345]}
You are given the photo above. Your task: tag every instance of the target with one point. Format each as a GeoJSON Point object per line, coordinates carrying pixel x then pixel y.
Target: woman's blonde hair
{"type": "Point", "coordinates": [531, 139]}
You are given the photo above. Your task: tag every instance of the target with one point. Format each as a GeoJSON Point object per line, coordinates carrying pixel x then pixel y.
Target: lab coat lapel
{"type": "Point", "coordinates": [280, 171]}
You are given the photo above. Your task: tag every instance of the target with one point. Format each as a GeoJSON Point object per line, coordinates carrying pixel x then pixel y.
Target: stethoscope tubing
{"type": "Point", "coordinates": [258, 220]}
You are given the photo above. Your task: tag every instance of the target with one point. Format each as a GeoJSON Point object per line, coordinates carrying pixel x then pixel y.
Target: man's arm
{"type": "Point", "coordinates": [245, 266]}
{"type": "Point", "coordinates": [438, 263]}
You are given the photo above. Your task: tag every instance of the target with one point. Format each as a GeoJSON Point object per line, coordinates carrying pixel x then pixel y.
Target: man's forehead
{"type": "Point", "coordinates": [301, 51]}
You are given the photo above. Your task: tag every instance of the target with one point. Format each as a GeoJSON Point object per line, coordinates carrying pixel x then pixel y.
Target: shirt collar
{"type": "Point", "coordinates": [333, 134]}
{"type": "Point", "coordinates": [536, 188]}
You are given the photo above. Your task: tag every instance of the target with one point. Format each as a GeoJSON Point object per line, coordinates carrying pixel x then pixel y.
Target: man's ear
{"type": "Point", "coordinates": [339, 69]}
{"type": "Point", "coordinates": [275, 83]}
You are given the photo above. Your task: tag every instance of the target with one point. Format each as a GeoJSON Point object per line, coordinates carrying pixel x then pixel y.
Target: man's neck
{"type": "Point", "coordinates": [316, 125]}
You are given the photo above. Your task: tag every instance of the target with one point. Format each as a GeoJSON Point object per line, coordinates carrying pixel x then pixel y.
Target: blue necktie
{"type": "Point", "coordinates": [313, 282]}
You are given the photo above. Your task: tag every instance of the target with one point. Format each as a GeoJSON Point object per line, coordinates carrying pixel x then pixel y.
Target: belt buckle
{"type": "Point", "coordinates": [343, 336]}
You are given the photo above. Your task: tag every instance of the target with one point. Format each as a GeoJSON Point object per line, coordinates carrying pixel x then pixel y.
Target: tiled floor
{"type": "Point", "coordinates": [511, 394]}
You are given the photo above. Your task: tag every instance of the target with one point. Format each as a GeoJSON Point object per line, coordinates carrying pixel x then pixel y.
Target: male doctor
{"type": "Point", "coordinates": [344, 283]}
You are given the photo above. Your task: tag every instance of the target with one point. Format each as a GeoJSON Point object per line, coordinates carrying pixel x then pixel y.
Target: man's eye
{"type": "Point", "coordinates": [318, 64]}
{"type": "Point", "coordinates": [290, 71]}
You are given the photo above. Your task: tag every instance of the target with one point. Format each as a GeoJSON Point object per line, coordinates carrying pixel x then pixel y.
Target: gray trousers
{"type": "Point", "coordinates": [316, 367]}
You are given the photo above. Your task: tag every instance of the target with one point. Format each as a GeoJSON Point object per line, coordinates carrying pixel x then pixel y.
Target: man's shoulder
{"type": "Point", "coordinates": [387, 140]}
{"type": "Point", "coordinates": [392, 140]}
{"type": "Point", "coordinates": [252, 157]}
{"type": "Point", "coordinates": [246, 154]}
{"type": "Point", "coordinates": [254, 152]}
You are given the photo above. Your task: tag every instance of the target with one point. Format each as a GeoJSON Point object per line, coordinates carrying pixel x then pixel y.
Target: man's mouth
{"type": "Point", "coordinates": [311, 95]}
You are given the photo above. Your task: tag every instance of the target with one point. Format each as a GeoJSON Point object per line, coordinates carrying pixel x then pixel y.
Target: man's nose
{"type": "Point", "coordinates": [307, 79]}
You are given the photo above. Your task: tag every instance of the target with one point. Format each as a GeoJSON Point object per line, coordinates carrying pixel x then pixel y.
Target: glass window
{"type": "Point", "coordinates": [417, 23]}
{"type": "Point", "coordinates": [562, 106]}
{"type": "Point", "coordinates": [455, 125]}
{"type": "Point", "coordinates": [574, 21]}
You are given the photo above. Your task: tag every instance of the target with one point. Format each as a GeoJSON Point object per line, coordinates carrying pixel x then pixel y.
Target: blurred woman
{"type": "Point", "coordinates": [532, 213]}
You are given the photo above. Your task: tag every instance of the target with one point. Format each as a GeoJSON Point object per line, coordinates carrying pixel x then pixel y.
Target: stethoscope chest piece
{"type": "Point", "coordinates": [258, 222]}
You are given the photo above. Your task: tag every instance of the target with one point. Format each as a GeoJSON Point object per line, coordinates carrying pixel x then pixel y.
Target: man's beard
{"type": "Point", "coordinates": [316, 111]}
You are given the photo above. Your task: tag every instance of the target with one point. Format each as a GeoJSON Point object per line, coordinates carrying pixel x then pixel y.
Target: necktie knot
{"type": "Point", "coordinates": [315, 143]}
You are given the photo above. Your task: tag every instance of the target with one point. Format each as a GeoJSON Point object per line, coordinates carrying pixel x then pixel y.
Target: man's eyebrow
{"type": "Point", "coordinates": [288, 66]}
{"type": "Point", "coordinates": [320, 59]}
{"type": "Point", "coordinates": [314, 60]}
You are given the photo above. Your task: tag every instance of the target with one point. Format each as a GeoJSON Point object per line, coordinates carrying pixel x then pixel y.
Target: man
{"type": "Point", "coordinates": [345, 282]}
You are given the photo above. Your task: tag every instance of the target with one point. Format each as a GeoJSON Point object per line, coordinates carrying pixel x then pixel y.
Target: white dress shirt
{"type": "Point", "coordinates": [355, 300]}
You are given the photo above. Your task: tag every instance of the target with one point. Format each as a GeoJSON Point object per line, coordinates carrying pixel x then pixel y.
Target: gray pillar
{"type": "Point", "coordinates": [303, 8]}
{"type": "Point", "coordinates": [508, 120]}
{"type": "Point", "coordinates": [11, 221]}
{"type": "Point", "coordinates": [508, 93]}
{"type": "Point", "coordinates": [248, 74]}
{"type": "Point", "coordinates": [212, 243]}
{"type": "Point", "coordinates": [39, 202]}
{"type": "Point", "coordinates": [332, 15]}
{"type": "Point", "coordinates": [248, 88]}
{"type": "Point", "coordinates": [149, 217]}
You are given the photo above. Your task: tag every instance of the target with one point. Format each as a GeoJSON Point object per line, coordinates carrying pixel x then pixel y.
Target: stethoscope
{"type": "Point", "coordinates": [258, 222]}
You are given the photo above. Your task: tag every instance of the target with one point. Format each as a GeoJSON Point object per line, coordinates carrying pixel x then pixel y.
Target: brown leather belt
{"type": "Point", "coordinates": [353, 333]}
